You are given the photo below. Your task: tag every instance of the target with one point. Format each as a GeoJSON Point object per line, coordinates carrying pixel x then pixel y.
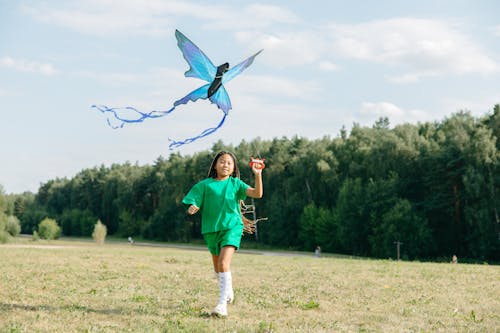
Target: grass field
{"type": "Point", "coordinates": [61, 286]}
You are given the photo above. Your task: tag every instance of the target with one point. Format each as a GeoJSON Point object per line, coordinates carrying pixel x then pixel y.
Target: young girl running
{"type": "Point", "coordinates": [218, 199]}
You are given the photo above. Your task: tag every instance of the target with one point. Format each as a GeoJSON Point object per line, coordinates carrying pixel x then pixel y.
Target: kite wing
{"type": "Point", "coordinates": [199, 65]}
{"type": "Point", "coordinates": [231, 73]}
{"type": "Point", "coordinates": [221, 99]}
{"type": "Point", "coordinates": [194, 95]}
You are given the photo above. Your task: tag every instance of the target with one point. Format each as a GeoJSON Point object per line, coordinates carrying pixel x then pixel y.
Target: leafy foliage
{"type": "Point", "coordinates": [48, 229]}
{"type": "Point", "coordinates": [432, 186]}
{"type": "Point", "coordinates": [13, 226]}
{"type": "Point", "coordinates": [99, 233]}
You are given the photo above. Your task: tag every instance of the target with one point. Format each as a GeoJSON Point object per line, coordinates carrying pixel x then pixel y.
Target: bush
{"type": "Point", "coordinates": [4, 236]}
{"type": "Point", "coordinates": [48, 229]}
{"type": "Point", "coordinates": [13, 226]}
{"type": "Point", "coordinates": [3, 221]}
{"type": "Point", "coordinates": [99, 233]}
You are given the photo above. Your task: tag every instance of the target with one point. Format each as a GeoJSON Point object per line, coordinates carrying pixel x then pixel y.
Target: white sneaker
{"type": "Point", "coordinates": [230, 296]}
{"type": "Point", "coordinates": [220, 310]}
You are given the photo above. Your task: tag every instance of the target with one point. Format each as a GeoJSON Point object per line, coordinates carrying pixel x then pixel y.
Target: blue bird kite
{"type": "Point", "coordinates": [200, 67]}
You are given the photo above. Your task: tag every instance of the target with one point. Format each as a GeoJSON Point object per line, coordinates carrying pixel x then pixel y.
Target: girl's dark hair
{"type": "Point", "coordinates": [213, 173]}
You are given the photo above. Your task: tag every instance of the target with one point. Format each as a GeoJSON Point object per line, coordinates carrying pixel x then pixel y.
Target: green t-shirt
{"type": "Point", "coordinates": [219, 202]}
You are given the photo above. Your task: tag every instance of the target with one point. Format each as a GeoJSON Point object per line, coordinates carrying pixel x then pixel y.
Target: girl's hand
{"type": "Point", "coordinates": [192, 209]}
{"type": "Point", "coordinates": [257, 168]}
{"type": "Point", "coordinates": [257, 165]}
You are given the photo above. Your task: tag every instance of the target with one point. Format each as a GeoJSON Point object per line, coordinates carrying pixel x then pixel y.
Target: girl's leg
{"type": "Point", "coordinates": [215, 260]}
{"type": "Point", "coordinates": [222, 264]}
{"type": "Point", "coordinates": [224, 259]}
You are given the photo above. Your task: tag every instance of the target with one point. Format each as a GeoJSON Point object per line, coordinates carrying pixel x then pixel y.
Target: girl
{"type": "Point", "coordinates": [218, 199]}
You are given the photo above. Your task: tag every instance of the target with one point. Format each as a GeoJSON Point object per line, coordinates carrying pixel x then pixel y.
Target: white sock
{"type": "Point", "coordinates": [225, 280]}
{"type": "Point", "coordinates": [229, 281]}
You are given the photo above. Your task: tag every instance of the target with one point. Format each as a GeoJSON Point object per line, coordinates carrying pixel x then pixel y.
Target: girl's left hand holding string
{"type": "Point", "coordinates": [257, 165]}
{"type": "Point", "coordinates": [256, 169]}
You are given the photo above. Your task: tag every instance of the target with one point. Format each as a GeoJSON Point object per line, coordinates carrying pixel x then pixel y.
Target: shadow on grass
{"type": "Point", "coordinates": [73, 307]}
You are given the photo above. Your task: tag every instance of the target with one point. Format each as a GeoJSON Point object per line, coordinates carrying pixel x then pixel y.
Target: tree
{"type": "Point", "coordinates": [77, 222]}
{"type": "Point", "coordinates": [319, 226]}
{"type": "Point", "coordinates": [13, 226]}
{"type": "Point", "coordinates": [401, 223]}
{"type": "Point", "coordinates": [3, 200]}
{"type": "Point", "coordinates": [99, 233]}
{"type": "Point", "coordinates": [354, 225]}
{"type": "Point", "coordinates": [48, 229]}
{"type": "Point", "coordinates": [353, 193]}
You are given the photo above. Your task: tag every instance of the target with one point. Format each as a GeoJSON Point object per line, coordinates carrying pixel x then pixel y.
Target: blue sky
{"type": "Point", "coordinates": [325, 64]}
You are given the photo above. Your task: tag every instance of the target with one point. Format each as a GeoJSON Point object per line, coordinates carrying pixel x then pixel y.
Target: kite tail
{"type": "Point", "coordinates": [175, 144]}
{"type": "Point", "coordinates": [140, 116]}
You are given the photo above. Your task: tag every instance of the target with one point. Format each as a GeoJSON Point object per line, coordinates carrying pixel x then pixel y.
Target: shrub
{"type": "Point", "coordinates": [13, 226]}
{"type": "Point", "coordinates": [99, 233]}
{"type": "Point", "coordinates": [48, 229]}
{"type": "Point", "coordinates": [3, 221]}
{"type": "Point", "coordinates": [35, 236]}
{"type": "Point", "coordinates": [4, 236]}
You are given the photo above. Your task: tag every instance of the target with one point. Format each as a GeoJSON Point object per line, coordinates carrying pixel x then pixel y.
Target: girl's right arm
{"type": "Point", "coordinates": [192, 209]}
{"type": "Point", "coordinates": [194, 198]}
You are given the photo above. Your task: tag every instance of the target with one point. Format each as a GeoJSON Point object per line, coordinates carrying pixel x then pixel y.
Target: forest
{"type": "Point", "coordinates": [432, 186]}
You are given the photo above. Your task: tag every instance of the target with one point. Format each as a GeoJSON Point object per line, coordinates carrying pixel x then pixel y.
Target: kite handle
{"type": "Point", "coordinates": [258, 162]}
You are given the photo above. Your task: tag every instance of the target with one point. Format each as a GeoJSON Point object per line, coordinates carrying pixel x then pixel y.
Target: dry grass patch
{"type": "Point", "coordinates": [121, 288]}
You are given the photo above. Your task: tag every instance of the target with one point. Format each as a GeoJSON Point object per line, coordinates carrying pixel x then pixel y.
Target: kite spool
{"type": "Point", "coordinates": [258, 162]}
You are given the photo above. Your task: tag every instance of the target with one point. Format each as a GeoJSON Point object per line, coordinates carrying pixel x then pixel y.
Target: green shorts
{"type": "Point", "coordinates": [217, 240]}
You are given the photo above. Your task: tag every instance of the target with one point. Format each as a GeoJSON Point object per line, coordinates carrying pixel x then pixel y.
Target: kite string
{"type": "Point", "coordinates": [141, 115]}
{"type": "Point", "coordinates": [174, 144]}
{"type": "Point", "coordinates": [256, 150]}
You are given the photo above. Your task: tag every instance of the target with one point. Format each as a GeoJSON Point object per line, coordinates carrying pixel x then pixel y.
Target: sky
{"type": "Point", "coordinates": [325, 65]}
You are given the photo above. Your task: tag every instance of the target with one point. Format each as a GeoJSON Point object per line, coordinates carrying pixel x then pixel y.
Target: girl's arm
{"type": "Point", "coordinates": [192, 210]}
{"type": "Point", "coordinates": [258, 190]}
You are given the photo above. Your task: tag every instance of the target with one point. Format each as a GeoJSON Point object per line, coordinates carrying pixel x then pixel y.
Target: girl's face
{"type": "Point", "coordinates": [224, 166]}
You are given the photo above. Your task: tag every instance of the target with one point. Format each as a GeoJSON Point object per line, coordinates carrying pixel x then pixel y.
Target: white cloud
{"type": "Point", "coordinates": [254, 16]}
{"type": "Point", "coordinates": [328, 66]}
{"type": "Point", "coordinates": [479, 105]}
{"type": "Point", "coordinates": [110, 78]}
{"type": "Point", "coordinates": [154, 17]}
{"type": "Point", "coordinates": [23, 65]}
{"type": "Point", "coordinates": [7, 93]}
{"type": "Point", "coordinates": [381, 109]}
{"type": "Point", "coordinates": [496, 30]}
{"type": "Point", "coordinates": [424, 47]}
{"type": "Point", "coordinates": [128, 17]}
{"type": "Point", "coordinates": [285, 49]}
{"type": "Point", "coordinates": [373, 111]}
{"type": "Point", "coordinates": [271, 13]}
{"type": "Point", "coordinates": [408, 78]}
{"type": "Point", "coordinates": [278, 87]}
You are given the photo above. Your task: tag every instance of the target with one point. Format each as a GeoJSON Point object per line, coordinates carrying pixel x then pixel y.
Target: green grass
{"type": "Point", "coordinates": [62, 286]}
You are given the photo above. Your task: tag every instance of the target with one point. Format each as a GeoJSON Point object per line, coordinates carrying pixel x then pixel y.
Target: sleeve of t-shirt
{"type": "Point", "coordinates": [194, 196]}
{"type": "Point", "coordinates": [242, 191]}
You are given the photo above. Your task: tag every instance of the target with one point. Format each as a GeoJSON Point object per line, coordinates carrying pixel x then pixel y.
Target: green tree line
{"type": "Point", "coordinates": [433, 186]}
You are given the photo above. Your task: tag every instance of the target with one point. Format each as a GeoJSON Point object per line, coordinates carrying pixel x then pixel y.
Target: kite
{"type": "Point", "coordinates": [200, 67]}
